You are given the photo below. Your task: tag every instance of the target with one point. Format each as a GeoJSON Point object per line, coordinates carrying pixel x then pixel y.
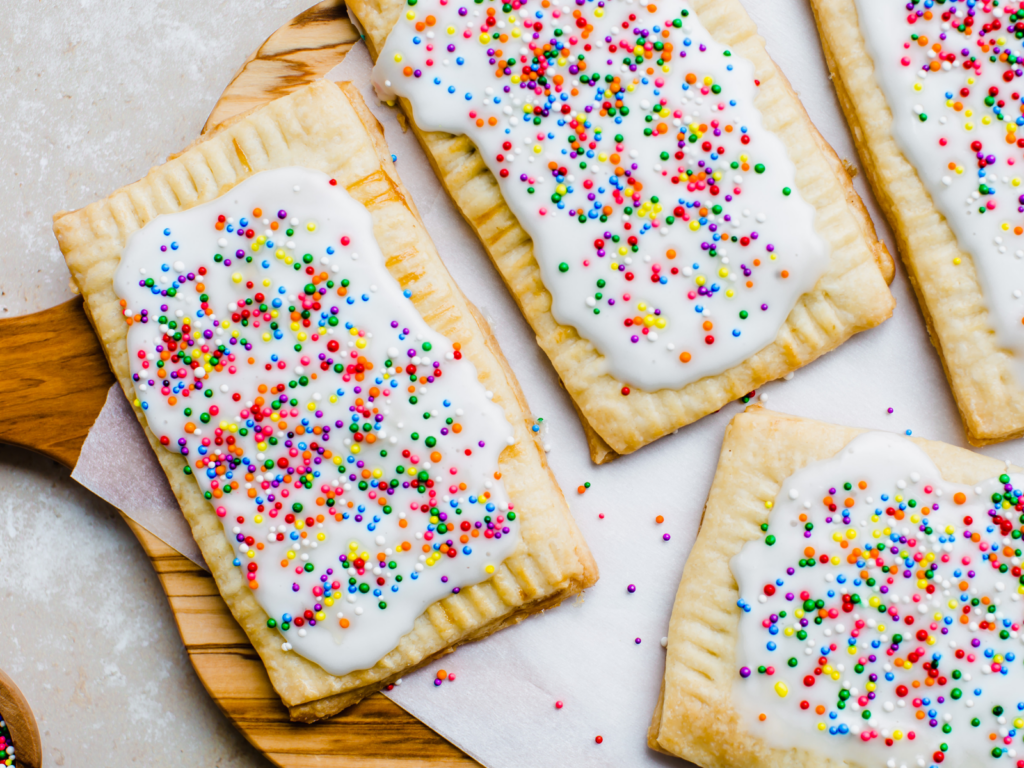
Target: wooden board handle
{"type": "Point", "coordinates": [53, 380]}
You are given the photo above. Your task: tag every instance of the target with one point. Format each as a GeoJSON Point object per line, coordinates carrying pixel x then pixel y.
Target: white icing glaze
{"type": "Point", "coordinates": [342, 376]}
{"type": "Point", "coordinates": [945, 559]}
{"type": "Point", "coordinates": [938, 114]}
{"type": "Point", "coordinates": [658, 280]}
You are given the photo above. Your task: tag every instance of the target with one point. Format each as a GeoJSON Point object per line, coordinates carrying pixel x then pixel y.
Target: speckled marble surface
{"type": "Point", "coordinates": [93, 94]}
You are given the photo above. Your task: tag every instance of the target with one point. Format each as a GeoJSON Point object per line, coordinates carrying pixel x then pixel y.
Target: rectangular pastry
{"type": "Point", "coordinates": [931, 93]}
{"type": "Point", "coordinates": [853, 598]}
{"type": "Point", "coordinates": [671, 224]}
{"type": "Point", "coordinates": [343, 434]}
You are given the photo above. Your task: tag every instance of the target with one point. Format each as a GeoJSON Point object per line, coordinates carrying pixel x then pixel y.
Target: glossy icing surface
{"type": "Point", "coordinates": [664, 216]}
{"type": "Point", "coordinates": [951, 73]}
{"type": "Point", "coordinates": [349, 450]}
{"type": "Point", "coordinates": [881, 613]}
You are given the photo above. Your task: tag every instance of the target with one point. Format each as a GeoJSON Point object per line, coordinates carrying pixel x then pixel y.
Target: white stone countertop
{"type": "Point", "coordinates": [92, 95]}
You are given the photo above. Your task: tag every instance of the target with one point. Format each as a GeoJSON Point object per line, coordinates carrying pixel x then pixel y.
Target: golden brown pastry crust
{"type": "Point", "coordinates": [852, 295]}
{"type": "Point", "coordinates": [990, 399]}
{"type": "Point", "coordinates": [328, 127]}
{"type": "Point", "coordinates": [694, 717]}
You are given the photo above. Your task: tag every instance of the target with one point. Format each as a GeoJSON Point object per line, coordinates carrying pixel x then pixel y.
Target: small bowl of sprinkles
{"type": "Point", "coordinates": [19, 735]}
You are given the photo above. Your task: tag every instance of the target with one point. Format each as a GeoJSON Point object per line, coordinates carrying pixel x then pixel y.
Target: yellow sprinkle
{"type": "Point", "coordinates": [780, 687]}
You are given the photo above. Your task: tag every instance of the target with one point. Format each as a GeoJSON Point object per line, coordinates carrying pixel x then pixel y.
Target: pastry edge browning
{"type": "Point", "coordinates": [694, 717]}
{"type": "Point", "coordinates": [852, 296]}
{"type": "Point", "coordinates": [327, 127]}
{"type": "Point", "coordinates": [987, 394]}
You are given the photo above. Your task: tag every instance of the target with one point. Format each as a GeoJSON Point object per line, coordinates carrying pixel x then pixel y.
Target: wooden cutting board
{"type": "Point", "coordinates": [373, 734]}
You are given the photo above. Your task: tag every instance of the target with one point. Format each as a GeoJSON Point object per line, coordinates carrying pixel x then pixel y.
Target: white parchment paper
{"type": "Point", "coordinates": [501, 707]}
{"type": "Point", "coordinates": [118, 465]}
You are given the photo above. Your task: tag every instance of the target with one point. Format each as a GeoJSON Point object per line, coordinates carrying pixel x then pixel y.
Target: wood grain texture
{"type": "Point", "coordinates": [305, 48]}
{"type": "Point", "coordinates": [21, 724]}
{"type": "Point", "coordinates": [53, 381]}
{"type": "Point", "coordinates": [71, 381]}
